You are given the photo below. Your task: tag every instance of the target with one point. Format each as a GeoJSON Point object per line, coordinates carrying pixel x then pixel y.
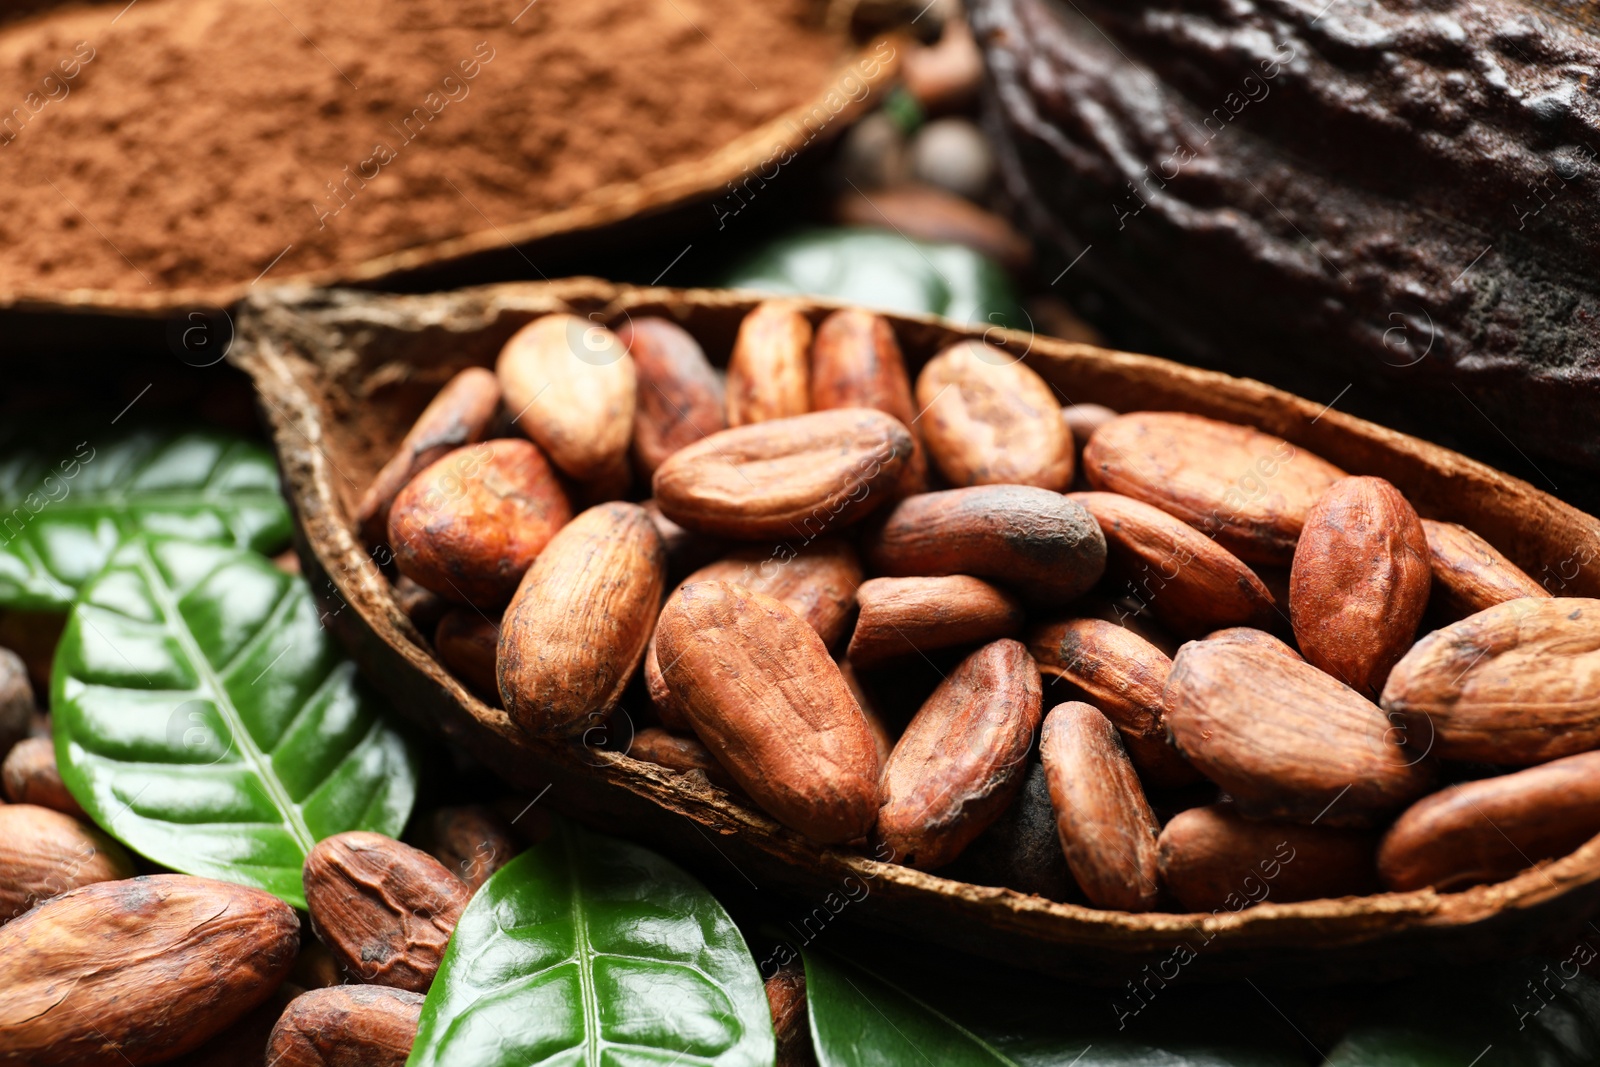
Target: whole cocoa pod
{"type": "Point", "coordinates": [769, 370]}
{"type": "Point", "coordinates": [44, 853]}
{"type": "Point", "coordinates": [680, 398]}
{"type": "Point", "coordinates": [570, 384]}
{"type": "Point", "coordinates": [346, 1026]}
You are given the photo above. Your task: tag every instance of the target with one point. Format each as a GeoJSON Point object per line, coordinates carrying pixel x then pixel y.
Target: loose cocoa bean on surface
{"type": "Point", "coordinates": [757, 685]}
{"type": "Point", "coordinates": [384, 909]}
{"type": "Point", "coordinates": [459, 414]}
{"type": "Point", "coordinates": [1491, 829]}
{"type": "Point", "coordinates": [1470, 574]}
{"type": "Point", "coordinates": [472, 841]}
{"type": "Point", "coordinates": [856, 363]}
{"type": "Point", "coordinates": [1286, 740]}
{"type": "Point", "coordinates": [578, 625]}
{"type": "Point", "coordinates": [1249, 490]}
{"type": "Point", "coordinates": [1517, 683]}
{"type": "Point", "coordinates": [991, 420]}
{"type": "Point", "coordinates": [1107, 829]}
{"type": "Point", "coordinates": [44, 853]}
{"type": "Point", "coordinates": [1214, 859]}
{"type": "Point", "coordinates": [680, 397]}
{"type": "Point", "coordinates": [138, 971]}
{"type": "Point", "coordinates": [571, 386]}
{"type": "Point", "coordinates": [30, 776]}
{"type": "Point", "coordinates": [346, 1026]}
{"type": "Point", "coordinates": [769, 374]}
{"type": "Point", "coordinates": [466, 642]}
{"type": "Point", "coordinates": [959, 763]}
{"type": "Point", "coordinates": [469, 524]}
{"type": "Point", "coordinates": [1359, 583]}
{"type": "Point", "coordinates": [904, 616]}
{"type": "Point", "coordinates": [792, 478]}
{"type": "Point", "coordinates": [1038, 543]}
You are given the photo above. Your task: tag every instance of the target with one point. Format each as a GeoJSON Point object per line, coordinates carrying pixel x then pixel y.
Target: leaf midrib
{"type": "Point", "coordinates": [258, 759]}
{"type": "Point", "coordinates": [582, 956]}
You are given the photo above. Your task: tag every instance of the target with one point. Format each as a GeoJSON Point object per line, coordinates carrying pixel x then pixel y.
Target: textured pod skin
{"type": "Point", "coordinates": [1106, 826]}
{"type": "Point", "coordinates": [1191, 583]}
{"type": "Point", "coordinates": [990, 420]}
{"type": "Point", "coordinates": [1123, 676]}
{"type": "Point", "coordinates": [571, 386]}
{"type": "Point", "coordinates": [757, 685]}
{"type": "Point", "coordinates": [1213, 859]}
{"type": "Point", "coordinates": [960, 762]}
{"type": "Point", "coordinates": [680, 398]}
{"type": "Point", "coordinates": [44, 853]}
{"type": "Point", "coordinates": [346, 1026]}
{"type": "Point", "coordinates": [769, 370]}
{"type": "Point", "coordinates": [1517, 683]}
{"type": "Point", "coordinates": [903, 616]}
{"type": "Point", "coordinates": [471, 841]}
{"type": "Point", "coordinates": [1286, 740]}
{"type": "Point", "coordinates": [788, 478]}
{"type": "Point", "coordinates": [1037, 542]}
{"type": "Point", "coordinates": [1248, 490]}
{"type": "Point", "coordinates": [468, 525]}
{"type": "Point", "coordinates": [577, 628]}
{"type": "Point", "coordinates": [1492, 828]}
{"type": "Point", "coordinates": [466, 643]}
{"type": "Point", "coordinates": [138, 971]}
{"type": "Point", "coordinates": [384, 909]}
{"type": "Point", "coordinates": [1470, 574]}
{"type": "Point", "coordinates": [30, 776]}
{"type": "Point", "coordinates": [1359, 583]}
{"type": "Point", "coordinates": [677, 752]}
{"type": "Point", "coordinates": [458, 415]}
{"type": "Point", "coordinates": [1021, 850]}
{"type": "Point", "coordinates": [856, 363]}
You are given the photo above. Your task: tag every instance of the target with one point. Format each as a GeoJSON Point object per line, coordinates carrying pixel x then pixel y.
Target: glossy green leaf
{"type": "Point", "coordinates": [68, 500]}
{"type": "Point", "coordinates": [204, 718]}
{"type": "Point", "coordinates": [590, 951]}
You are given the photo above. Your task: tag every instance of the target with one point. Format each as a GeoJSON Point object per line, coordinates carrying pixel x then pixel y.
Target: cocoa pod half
{"type": "Point", "coordinates": [1470, 574]}
{"type": "Point", "coordinates": [571, 386]}
{"type": "Point", "coordinates": [757, 685]}
{"type": "Point", "coordinates": [346, 1026]}
{"type": "Point", "coordinates": [960, 761]}
{"type": "Point", "coordinates": [44, 853]}
{"type": "Point", "coordinates": [680, 398]}
{"type": "Point", "coordinates": [138, 971]}
{"type": "Point", "coordinates": [384, 909]}
{"type": "Point", "coordinates": [1517, 683]}
{"type": "Point", "coordinates": [904, 616]}
{"type": "Point", "coordinates": [769, 369]}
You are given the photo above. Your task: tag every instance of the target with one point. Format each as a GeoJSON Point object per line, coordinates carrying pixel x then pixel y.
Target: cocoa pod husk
{"type": "Point", "coordinates": [472, 841]}
{"type": "Point", "coordinates": [44, 853]}
{"type": "Point", "coordinates": [30, 776]}
{"type": "Point", "coordinates": [959, 763]}
{"type": "Point", "coordinates": [769, 371]}
{"type": "Point", "coordinates": [466, 642]}
{"type": "Point", "coordinates": [1470, 574]}
{"type": "Point", "coordinates": [384, 909]}
{"type": "Point", "coordinates": [904, 616]}
{"type": "Point", "coordinates": [680, 397]}
{"type": "Point", "coordinates": [856, 363]}
{"type": "Point", "coordinates": [571, 387]}
{"type": "Point", "coordinates": [346, 1026]}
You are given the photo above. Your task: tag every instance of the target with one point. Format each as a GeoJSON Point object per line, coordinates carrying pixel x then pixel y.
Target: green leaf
{"type": "Point", "coordinates": [586, 951]}
{"type": "Point", "coordinates": [68, 500]}
{"type": "Point", "coordinates": [204, 718]}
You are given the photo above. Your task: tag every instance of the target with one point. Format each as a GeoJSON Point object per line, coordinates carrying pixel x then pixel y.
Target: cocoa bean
{"type": "Point", "coordinates": [1469, 574]}
{"type": "Point", "coordinates": [346, 1026]}
{"type": "Point", "coordinates": [769, 370]}
{"type": "Point", "coordinates": [44, 853]}
{"type": "Point", "coordinates": [30, 776]}
{"type": "Point", "coordinates": [680, 398]}
{"type": "Point", "coordinates": [571, 385]}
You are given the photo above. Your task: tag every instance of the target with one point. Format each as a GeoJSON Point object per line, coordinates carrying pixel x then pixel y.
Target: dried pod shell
{"type": "Point", "coordinates": [570, 383]}
{"type": "Point", "coordinates": [471, 841]}
{"type": "Point", "coordinates": [1492, 828]}
{"type": "Point", "coordinates": [1359, 583]}
{"type": "Point", "coordinates": [1249, 490]}
{"type": "Point", "coordinates": [1517, 683]}
{"type": "Point", "coordinates": [1286, 740]}
{"type": "Point", "coordinates": [1470, 574]}
{"type": "Point", "coordinates": [139, 970]}
{"type": "Point", "coordinates": [1191, 583]}
{"type": "Point", "coordinates": [769, 370]}
{"type": "Point", "coordinates": [904, 616]}
{"type": "Point", "coordinates": [44, 853]}
{"type": "Point", "coordinates": [1107, 828]}
{"type": "Point", "coordinates": [959, 763]}
{"type": "Point", "coordinates": [466, 644]}
{"type": "Point", "coordinates": [468, 525]}
{"type": "Point", "coordinates": [788, 478]}
{"type": "Point", "coordinates": [680, 398]}
{"type": "Point", "coordinates": [458, 415]}
{"type": "Point", "coordinates": [384, 909]}
{"type": "Point", "coordinates": [856, 363]}
{"type": "Point", "coordinates": [577, 627]}
{"type": "Point", "coordinates": [30, 776]}
{"type": "Point", "coordinates": [346, 1026]}
{"type": "Point", "coordinates": [1214, 859]}
{"type": "Point", "coordinates": [988, 419]}
{"type": "Point", "coordinates": [1046, 547]}
{"type": "Point", "coordinates": [757, 685]}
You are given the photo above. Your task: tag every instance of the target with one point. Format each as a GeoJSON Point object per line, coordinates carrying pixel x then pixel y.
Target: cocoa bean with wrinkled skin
{"type": "Point", "coordinates": [856, 363]}
{"type": "Point", "coordinates": [384, 909]}
{"type": "Point", "coordinates": [346, 1026]}
{"type": "Point", "coordinates": [680, 397]}
{"type": "Point", "coordinates": [138, 971]}
{"type": "Point", "coordinates": [459, 414]}
{"type": "Point", "coordinates": [903, 616]}
{"type": "Point", "coordinates": [571, 386]}
{"type": "Point", "coordinates": [786, 997]}
{"type": "Point", "coordinates": [1359, 583]}
{"type": "Point", "coordinates": [1037, 542]}
{"type": "Point", "coordinates": [16, 700]}
{"type": "Point", "coordinates": [578, 625]}
{"type": "Point", "coordinates": [1245, 635]}
{"type": "Point", "coordinates": [769, 371]}
{"type": "Point", "coordinates": [30, 776]}
{"type": "Point", "coordinates": [991, 420]}
{"type": "Point", "coordinates": [44, 853]}
{"type": "Point", "coordinates": [755, 682]}
{"type": "Point", "coordinates": [471, 841]}
{"type": "Point", "coordinates": [1493, 828]}
{"type": "Point", "coordinates": [1470, 574]}
{"type": "Point", "coordinates": [959, 763]}
{"type": "Point", "coordinates": [466, 643]}
{"type": "Point", "coordinates": [1107, 829]}
{"type": "Point", "coordinates": [422, 606]}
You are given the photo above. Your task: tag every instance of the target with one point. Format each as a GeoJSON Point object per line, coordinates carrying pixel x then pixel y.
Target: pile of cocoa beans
{"type": "Point", "coordinates": [846, 593]}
